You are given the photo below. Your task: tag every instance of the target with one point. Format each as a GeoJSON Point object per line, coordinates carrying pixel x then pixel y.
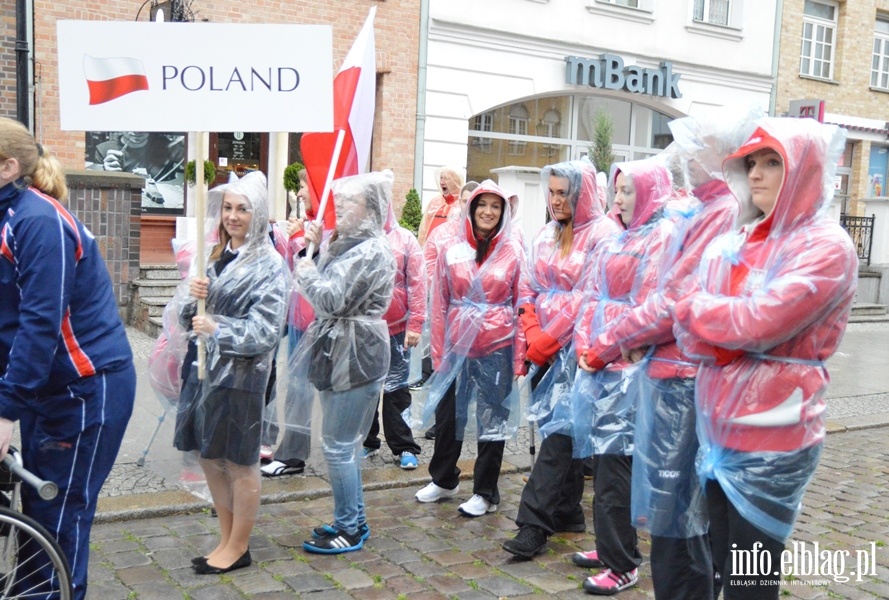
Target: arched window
{"type": "Point", "coordinates": [562, 130]}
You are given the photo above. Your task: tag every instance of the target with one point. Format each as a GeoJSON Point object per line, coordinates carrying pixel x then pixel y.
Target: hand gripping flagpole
{"type": "Point", "coordinates": [200, 212]}
{"type": "Point", "coordinates": [337, 148]}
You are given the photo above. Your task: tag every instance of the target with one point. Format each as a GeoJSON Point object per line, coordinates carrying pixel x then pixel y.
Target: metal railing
{"type": "Point", "coordinates": [861, 230]}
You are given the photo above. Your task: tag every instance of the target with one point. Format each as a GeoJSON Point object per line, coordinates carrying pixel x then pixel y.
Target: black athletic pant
{"type": "Point", "coordinates": [616, 540]}
{"type": "Point", "coordinates": [731, 533]}
{"type": "Point", "coordinates": [479, 375]}
{"type": "Point", "coordinates": [554, 492]}
{"type": "Point", "coordinates": [398, 435]}
{"type": "Point", "coordinates": [682, 568]}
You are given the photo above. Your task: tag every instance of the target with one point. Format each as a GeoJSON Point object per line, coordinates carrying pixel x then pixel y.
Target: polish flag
{"type": "Point", "coordinates": [354, 102]}
{"type": "Point", "coordinates": [110, 78]}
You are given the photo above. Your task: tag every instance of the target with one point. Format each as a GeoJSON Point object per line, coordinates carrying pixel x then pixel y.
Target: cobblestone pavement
{"type": "Point", "coordinates": [420, 551]}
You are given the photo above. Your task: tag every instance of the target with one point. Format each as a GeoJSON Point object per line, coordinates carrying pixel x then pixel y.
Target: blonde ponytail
{"type": "Point", "coordinates": [49, 178]}
{"type": "Point", "coordinates": [37, 167]}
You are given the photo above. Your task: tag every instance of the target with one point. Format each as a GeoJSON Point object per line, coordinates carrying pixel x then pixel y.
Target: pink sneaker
{"type": "Point", "coordinates": [608, 583]}
{"type": "Point", "coordinates": [587, 560]}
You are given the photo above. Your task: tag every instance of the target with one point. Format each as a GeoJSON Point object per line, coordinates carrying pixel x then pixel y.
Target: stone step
{"type": "Point", "coordinates": [884, 318]}
{"type": "Point", "coordinates": [154, 304]}
{"type": "Point", "coordinates": [153, 326]}
{"type": "Point", "coordinates": [862, 309]}
{"type": "Point", "coordinates": [156, 288]}
{"type": "Point", "coordinates": [164, 272]}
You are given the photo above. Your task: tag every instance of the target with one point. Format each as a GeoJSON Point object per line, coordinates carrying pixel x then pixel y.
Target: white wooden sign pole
{"type": "Point", "coordinates": [200, 211]}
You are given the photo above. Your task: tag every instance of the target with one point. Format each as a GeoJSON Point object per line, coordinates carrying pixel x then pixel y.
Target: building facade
{"type": "Point", "coordinates": [513, 85]}
{"type": "Point", "coordinates": [834, 60]}
{"type": "Point", "coordinates": [396, 27]}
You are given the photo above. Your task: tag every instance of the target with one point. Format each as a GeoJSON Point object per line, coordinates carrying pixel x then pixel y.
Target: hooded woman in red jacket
{"type": "Point", "coordinates": [772, 305]}
{"type": "Point", "coordinates": [551, 295]}
{"type": "Point", "coordinates": [623, 273]}
{"type": "Point", "coordinates": [475, 349]}
{"type": "Point", "coordinates": [667, 499]}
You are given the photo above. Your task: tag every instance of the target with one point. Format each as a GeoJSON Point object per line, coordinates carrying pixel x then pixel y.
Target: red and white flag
{"type": "Point", "coordinates": [354, 103]}
{"type": "Point", "coordinates": [110, 78]}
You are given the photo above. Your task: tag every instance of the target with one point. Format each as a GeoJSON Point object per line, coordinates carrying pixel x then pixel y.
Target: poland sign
{"type": "Point", "coordinates": [194, 76]}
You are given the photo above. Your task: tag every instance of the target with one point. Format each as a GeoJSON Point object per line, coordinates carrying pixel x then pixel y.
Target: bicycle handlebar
{"type": "Point", "coordinates": [46, 489]}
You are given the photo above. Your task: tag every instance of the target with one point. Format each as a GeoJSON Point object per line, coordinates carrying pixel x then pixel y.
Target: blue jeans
{"type": "Point", "coordinates": [346, 421]}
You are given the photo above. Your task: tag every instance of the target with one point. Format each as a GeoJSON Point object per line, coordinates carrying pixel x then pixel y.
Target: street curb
{"type": "Point", "coordinates": [858, 423]}
{"type": "Point", "coordinates": [183, 503]}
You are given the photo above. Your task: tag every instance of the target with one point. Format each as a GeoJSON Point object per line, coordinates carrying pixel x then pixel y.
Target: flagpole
{"type": "Point", "coordinates": [200, 212]}
{"type": "Point", "coordinates": [338, 147]}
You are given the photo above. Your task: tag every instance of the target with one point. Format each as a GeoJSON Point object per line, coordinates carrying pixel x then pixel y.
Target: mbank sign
{"type": "Point", "coordinates": [609, 72]}
{"type": "Point", "coordinates": [194, 77]}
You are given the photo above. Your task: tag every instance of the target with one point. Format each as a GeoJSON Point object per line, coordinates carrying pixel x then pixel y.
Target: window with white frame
{"type": "Point", "coordinates": [483, 122]}
{"type": "Point", "coordinates": [879, 73]}
{"type": "Point", "coordinates": [518, 125]}
{"type": "Point", "coordinates": [819, 35]}
{"type": "Point", "coordinates": [715, 12]}
{"type": "Point", "coordinates": [630, 3]}
{"type": "Point", "coordinates": [640, 11]}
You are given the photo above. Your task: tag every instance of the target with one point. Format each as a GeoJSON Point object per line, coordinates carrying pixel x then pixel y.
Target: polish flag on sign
{"type": "Point", "coordinates": [354, 103]}
{"type": "Point", "coordinates": [110, 78]}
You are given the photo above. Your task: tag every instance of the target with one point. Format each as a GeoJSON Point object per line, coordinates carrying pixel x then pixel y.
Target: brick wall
{"type": "Point", "coordinates": [109, 205]}
{"type": "Point", "coordinates": [397, 33]}
{"type": "Point", "coordinates": [849, 92]}
{"type": "Point", "coordinates": [7, 59]}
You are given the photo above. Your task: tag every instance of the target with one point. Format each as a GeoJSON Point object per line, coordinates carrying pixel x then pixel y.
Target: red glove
{"type": "Point", "coordinates": [529, 323]}
{"type": "Point", "coordinates": [593, 360]}
{"type": "Point", "coordinates": [542, 348]}
{"type": "Point", "coordinates": [724, 356]}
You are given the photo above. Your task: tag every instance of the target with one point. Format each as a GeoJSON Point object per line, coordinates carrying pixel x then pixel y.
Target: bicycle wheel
{"type": "Point", "coordinates": [32, 564]}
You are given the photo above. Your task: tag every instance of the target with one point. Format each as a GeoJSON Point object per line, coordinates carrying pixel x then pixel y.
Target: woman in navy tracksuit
{"type": "Point", "coordinates": [66, 369]}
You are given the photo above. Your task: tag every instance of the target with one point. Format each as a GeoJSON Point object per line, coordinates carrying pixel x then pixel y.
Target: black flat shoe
{"type": "Point", "coordinates": [198, 560]}
{"type": "Point", "coordinates": [206, 568]}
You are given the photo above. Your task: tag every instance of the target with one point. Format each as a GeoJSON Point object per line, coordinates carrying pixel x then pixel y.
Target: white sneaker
{"type": "Point", "coordinates": [433, 493]}
{"type": "Point", "coordinates": [476, 507]}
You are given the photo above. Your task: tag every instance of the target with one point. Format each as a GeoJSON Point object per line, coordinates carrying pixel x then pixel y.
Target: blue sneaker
{"type": "Point", "coordinates": [408, 461]}
{"type": "Point", "coordinates": [368, 452]}
{"type": "Point", "coordinates": [328, 529]}
{"type": "Point", "coordinates": [336, 543]}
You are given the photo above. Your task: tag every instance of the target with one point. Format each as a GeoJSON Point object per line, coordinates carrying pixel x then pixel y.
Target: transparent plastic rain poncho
{"type": "Point", "coordinates": [667, 499]}
{"type": "Point", "coordinates": [473, 325]}
{"type": "Point", "coordinates": [440, 236]}
{"type": "Point", "coordinates": [771, 304]}
{"type": "Point", "coordinates": [551, 292]}
{"type": "Point", "coordinates": [407, 312]}
{"type": "Point", "coordinates": [221, 416]}
{"type": "Point", "coordinates": [350, 288]}
{"type": "Point", "coordinates": [165, 361]}
{"type": "Point", "coordinates": [445, 206]}
{"type": "Point", "coordinates": [622, 272]}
